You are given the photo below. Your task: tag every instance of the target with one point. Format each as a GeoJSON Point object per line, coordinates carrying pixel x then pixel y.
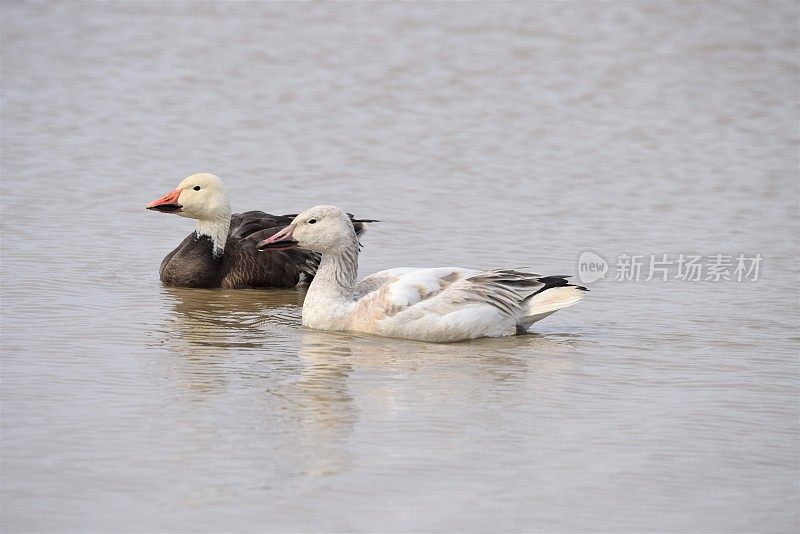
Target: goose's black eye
{"type": "Point", "coordinates": [196, 188]}
{"type": "Point", "coordinates": [312, 221]}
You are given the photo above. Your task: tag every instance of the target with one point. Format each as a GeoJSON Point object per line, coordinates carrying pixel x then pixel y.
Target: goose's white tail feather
{"type": "Point", "coordinates": [550, 301]}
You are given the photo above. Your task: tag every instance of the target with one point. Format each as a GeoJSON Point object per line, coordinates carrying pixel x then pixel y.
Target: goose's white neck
{"type": "Point", "coordinates": [330, 295]}
{"type": "Point", "coordinates": [217, 229]}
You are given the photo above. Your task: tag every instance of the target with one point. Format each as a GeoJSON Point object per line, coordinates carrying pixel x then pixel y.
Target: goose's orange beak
{"type": "Point", "coordinates": [280, 241]}
{"type": "Point", "coordinates": [168, 203]}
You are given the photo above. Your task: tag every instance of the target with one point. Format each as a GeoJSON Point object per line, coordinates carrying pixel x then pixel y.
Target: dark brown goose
{"type": "Point", "coordinates": [221, 252]}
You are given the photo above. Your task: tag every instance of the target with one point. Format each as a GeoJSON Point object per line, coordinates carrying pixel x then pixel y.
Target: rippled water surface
{"type": "Point", "coordinates": [484, 135]}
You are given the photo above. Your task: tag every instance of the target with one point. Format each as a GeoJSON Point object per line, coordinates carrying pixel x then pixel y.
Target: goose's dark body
{"type": "Point", "coordinates": [193, 263]}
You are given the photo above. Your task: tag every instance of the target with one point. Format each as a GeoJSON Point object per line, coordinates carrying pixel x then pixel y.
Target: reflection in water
{"type": "Point", "coordinates": [206, 327]}
{"type": "Point", "coordinates": [223, 318]}
{"type": "Point", "coordinates": [322, 403]}
{"type": "Point", "coordinates": [249, 337]}
{"type": "Point", "coordinates": [322, 384]}
{"type": "Point", "coordinates": [345, 380]}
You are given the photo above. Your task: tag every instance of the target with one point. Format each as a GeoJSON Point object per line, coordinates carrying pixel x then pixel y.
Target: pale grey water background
{"type": "Point", "coordinates": [485, 135]}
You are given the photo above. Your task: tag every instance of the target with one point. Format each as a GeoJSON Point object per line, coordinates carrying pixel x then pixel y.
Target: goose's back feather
{"type": "Point", "coordinates": [258, 225]}
{"type": "Point", "coordinates": [243, 266]}
{"type": "Point", "coordinates": [447, 303]}
{"type": "Point", "coordinates": [247, 223]}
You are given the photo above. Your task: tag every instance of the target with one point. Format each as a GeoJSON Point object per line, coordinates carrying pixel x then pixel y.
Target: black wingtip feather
{"type": "Point", "coordinates": [557, 281]}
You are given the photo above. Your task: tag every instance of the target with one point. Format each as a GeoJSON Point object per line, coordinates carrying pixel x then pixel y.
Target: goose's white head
{"type": "Point", "coordinates": [201, 196]}
{"type": "Point", "coordinates": [323, 229]}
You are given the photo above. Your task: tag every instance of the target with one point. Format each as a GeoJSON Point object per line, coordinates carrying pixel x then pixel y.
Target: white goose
{"type": "Point", "coordinates": [440, 304]}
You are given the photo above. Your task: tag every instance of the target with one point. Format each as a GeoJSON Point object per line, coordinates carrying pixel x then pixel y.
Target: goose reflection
{"type": "Point", "coordinates": [405, 387]}
{"type": "Point", "coordinates": [322, 404]}
{"type": "Point", "coordinates": [231, 318]}
{"type": "Point", "coordinates": [307, 392]}
{"type": "Point", "coordinates": [211, 332]}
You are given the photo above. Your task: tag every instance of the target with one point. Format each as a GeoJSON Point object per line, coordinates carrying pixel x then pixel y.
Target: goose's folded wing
{"type": "Point", "coordinates": [245, 266]}
{"type": "Point", "coordinates": [258, 225]}
{"type": "Point", "coordinates": [246, 224]}
{"type": "Point", "coordinates": [448, 289]}
{"type": "Point", "coordinates": [377, 280]}
{"type": "Point", "coordinates": [413, 290]}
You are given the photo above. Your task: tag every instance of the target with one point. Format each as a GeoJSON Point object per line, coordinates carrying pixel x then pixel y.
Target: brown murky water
{"type": "Point", "coordinates": [485, 135]}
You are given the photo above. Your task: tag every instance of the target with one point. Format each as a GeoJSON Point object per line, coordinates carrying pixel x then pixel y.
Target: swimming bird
{"type": "Point", "coordinates": [221, 252]}
{"type": "Point", "coordinates": [436, 304]}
